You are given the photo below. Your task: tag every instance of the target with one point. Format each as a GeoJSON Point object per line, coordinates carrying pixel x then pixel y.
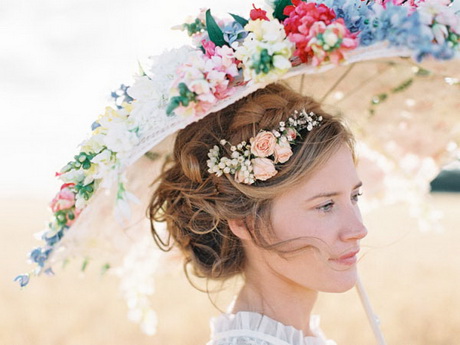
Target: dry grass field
{"type": "Point", "coordinates": [413, 280]}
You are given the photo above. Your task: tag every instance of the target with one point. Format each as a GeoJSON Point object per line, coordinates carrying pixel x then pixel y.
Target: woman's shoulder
{"type": "Point", "coordinates": [249, 328]}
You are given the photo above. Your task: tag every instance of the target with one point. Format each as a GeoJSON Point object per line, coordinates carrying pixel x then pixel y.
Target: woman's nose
{"type": "Point", "coordinates": [353, 227]}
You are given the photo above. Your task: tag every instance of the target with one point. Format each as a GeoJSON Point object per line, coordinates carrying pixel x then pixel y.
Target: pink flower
{"type": "Point", "coordinates": [209, 48]}
{"type": "Point", "coordinates": [258, 13]}
{"type": "Point", "coordinates": [282, 152]}
{"type": "Point", "coordinates": [263, 168]}
{"type": "Point", "coordinates": [208, 76]}
{"type": "Point", "coordinates": [64, 200]}
{"type": "Point", "coordinates": [263, 144]}
{"type": "Point", "coordinates": [329, 42]}
{"type": "Point", "coordinates": [291, 134]}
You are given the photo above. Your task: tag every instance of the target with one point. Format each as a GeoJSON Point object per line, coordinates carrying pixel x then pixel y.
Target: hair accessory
{"type": "Point", "coordinates": [228, 60]}
{"type": "Point", "coordinates": [257, 159]}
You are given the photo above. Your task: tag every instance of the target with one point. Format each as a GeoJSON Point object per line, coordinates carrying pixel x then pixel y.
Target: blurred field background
{"type": "Point", "coordinates": [412, 278]}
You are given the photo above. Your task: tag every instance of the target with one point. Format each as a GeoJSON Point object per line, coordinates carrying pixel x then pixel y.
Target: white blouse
{"type": "Point", "coordinates": [249, 328]}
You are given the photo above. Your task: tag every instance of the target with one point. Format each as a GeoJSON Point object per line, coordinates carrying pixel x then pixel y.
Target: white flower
{"type": "Point", "coordinates": [119, 139]}
{"type": "Point", "coordinates": [143, 89]}
{"type": "Point", "coordinates": [73, 176]}
{"type": "Point", "coordinates": [330, 38]}
{"type": "Point", "coordinates": [440, 33]}
{"type": "Point", "coordinates": [94, 144]}
{"type": "Point", "coordinates": [80, 202]}
{"type": "Point", "coordinates": [122, 206]}
{"type": "Point", "coordinates": [265, 37]}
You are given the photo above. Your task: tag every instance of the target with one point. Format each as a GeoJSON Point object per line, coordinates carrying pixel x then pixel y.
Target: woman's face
{"type": "Point", "coordinates": [322, 212]}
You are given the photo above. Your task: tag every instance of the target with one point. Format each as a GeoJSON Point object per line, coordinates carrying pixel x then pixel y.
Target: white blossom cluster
{"type": "Point", "coordinates": [239, 162]}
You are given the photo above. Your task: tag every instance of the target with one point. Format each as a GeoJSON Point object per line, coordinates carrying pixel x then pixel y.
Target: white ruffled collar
{"type": "Point", "coordinates": [263, 327]}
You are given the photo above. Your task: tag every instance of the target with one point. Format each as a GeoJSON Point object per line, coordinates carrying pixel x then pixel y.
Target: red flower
{"type": "Point", "coordinates": [258, 13]}
{"type": "Point", "coordinates": [306, 25]}
{"type": "Point", "coordinates": [302, 15]}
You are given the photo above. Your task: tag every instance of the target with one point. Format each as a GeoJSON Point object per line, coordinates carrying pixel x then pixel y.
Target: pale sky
{"type": "Point", "coordinates": [59, 60]}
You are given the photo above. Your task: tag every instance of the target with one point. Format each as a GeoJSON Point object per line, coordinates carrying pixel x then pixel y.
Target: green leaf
{"type": "Point", "coordinates": [105, 268]}
{"type": "Point", "coordinates": [84, 265]}
{"type": "Point", "coordinates": [152, 155]}
{"type": "Point", "coordinates": [422, 72]}
{"type": "Point", "coordinates": [403, 86]}
{"type": "Point", "coordinates": [240, 20]}
{"type": "Point", "coordinates": [215, 33]}
{"type": "Point", "coordinates": [377, 99]}
{"type": "Point", "coordinates": [280, 5]}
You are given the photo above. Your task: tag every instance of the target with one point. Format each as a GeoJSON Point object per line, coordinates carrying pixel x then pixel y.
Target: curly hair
{"type": "Point", "coordinates": [197, 205]}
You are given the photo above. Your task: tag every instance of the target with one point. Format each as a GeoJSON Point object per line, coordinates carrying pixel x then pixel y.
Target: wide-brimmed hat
{"type": "Point", "coordinates": [385, 64]}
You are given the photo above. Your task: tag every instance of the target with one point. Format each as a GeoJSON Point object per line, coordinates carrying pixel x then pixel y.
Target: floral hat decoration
{"type": "Point", "coordinates": [229, 58]}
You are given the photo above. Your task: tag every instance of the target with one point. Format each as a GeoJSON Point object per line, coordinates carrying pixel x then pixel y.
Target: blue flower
{"type": "Point", "coordinates": [438, 51]}
{"type": "Point", "coordinates": [121, 96]}
{"type": "Point", "coordinates": [234, 32]}
{"type": "Point", "coordinates": [353, 13]}
{"type": "Point", "coordinates": [39, 256]}
{"type": "Point", "coordinates": [51, 241]}
{"type": "Point", "coordinates": [95, 125]}
{"type": "Point", "coordinates": [367, 37]}
{"type": "Point", "coordinates": [395, 24]}
{"type": "Point", "coordinates": [49, 271]}
{"type": "Point", "coordinates": [23, 279]}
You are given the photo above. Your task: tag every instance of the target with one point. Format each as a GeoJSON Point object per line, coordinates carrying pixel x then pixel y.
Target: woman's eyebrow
{"type": "Point", "coordinates": [328, 195]}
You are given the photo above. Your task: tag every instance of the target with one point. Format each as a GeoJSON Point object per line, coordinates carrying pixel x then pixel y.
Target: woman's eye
{"type": "Point", "coordinates": [326, 207]}
{"type": "Point", "coordinates": [355, 197]}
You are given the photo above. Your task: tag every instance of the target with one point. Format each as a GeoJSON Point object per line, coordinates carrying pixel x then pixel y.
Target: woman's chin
{"type": "Point", "coordinates": [343, 282]}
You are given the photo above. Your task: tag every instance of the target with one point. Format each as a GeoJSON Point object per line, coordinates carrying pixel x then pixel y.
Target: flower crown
{"type": "Point", "coordinates": [250, 161]}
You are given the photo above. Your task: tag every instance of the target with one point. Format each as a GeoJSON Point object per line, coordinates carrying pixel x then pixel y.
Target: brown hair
{"type": "Point", "coordinates": [197, 205]}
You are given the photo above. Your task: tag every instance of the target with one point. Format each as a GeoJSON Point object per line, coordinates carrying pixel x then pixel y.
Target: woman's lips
{"type": "Point", "coordinates": [348, 259]}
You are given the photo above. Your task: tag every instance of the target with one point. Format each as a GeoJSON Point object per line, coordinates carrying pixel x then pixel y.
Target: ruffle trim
{"type": "Point", "coordinates": [262, 327]}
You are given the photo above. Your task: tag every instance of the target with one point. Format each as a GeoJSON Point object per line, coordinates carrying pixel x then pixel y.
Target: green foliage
{"type": "Point", "coordinates": [185, 97]}
{"type": "Point", "coordinates": [215, 32]}
{"type": "Point", "coordinates": [403, 86]}
{"type": "Point", "coordinates": [194, 27]}
{"type": "Point", "coordinates": [240, 20]}
{"type": "Point", "coordinates": [280, 5]}
{"type": "Point", "coordinates": [84, 265]}
{"type": "Point", "coordinates": [446, 181]}
{"type": "Point", "coordinates": [105, 268]}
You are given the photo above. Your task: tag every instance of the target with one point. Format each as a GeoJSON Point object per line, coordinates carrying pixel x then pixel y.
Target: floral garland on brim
{"type": "Point", "coordinates": [229, 54]}
{"type": "Point", "coordinates": [266, 46]}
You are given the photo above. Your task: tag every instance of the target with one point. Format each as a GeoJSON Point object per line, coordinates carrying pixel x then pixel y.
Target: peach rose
{"type": "Point", "coordinates": [263, 145]}
{"type": "Point", "coordinates": [282, 152]}
{"type": "Point", "coordinates": [239, 176]}
{"type": "Point", "coordinates": [263, 168]}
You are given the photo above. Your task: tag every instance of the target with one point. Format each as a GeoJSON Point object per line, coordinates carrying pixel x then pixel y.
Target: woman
{"type": "Point", "coordinates": [266, 188]}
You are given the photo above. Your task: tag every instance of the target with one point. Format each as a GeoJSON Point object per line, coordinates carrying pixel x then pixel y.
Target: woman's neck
{"type": "Point", "coordinates": [278, 299]}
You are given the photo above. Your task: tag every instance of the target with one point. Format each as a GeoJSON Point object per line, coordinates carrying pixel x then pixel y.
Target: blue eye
{"type": "Point", "coordinates": [355, 197]}
{"type": "Point", "coordinates": [327, 207]}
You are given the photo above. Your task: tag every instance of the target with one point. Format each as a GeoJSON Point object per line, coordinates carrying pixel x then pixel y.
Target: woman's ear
{"type": "Point", "coordinates": [239, 228]}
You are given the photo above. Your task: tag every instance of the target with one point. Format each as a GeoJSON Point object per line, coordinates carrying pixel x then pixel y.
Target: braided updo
{"type": "Point", "coordinates": [197, 205]}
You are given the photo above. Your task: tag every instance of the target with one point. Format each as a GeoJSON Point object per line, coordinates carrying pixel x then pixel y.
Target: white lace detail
{"type": "Point", "coordinates": [248, 328]}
